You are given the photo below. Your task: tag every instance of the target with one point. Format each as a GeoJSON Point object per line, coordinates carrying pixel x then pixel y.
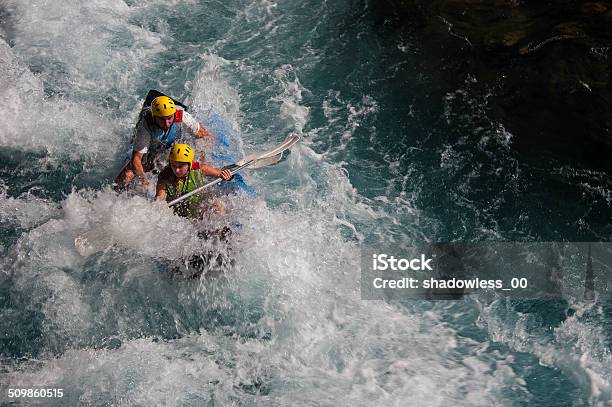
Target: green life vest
{"type": "Point", "coordinates": [190, 206]}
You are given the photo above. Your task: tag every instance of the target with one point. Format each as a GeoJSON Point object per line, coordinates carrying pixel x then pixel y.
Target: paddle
{"type": "Point", "coordinates": [258, 160]}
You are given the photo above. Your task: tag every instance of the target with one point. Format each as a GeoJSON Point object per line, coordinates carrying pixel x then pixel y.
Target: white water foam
{"type": "Point", "coordinates": [577, 348]}
{"type": "Point", "coordinates": [26, 211]}
{"type": "Point", "coordinates": [325, 343]}
{"type": "Point", "coordinates": [68, 77]}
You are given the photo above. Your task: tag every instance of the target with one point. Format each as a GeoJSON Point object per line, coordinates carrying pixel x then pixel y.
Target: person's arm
{"type": "Point", "coordinates": [137, 164]}
{"type": "Point", "coordinates": [197, 129]}
{"type": "Point", "coordinates": [216, 172]}
{"type": "Point", "coordinates": [203, 133]}
{"type": "Point", "coordinates": [142, 139]}
{"type": "Point", "coordinates": [163, 180]}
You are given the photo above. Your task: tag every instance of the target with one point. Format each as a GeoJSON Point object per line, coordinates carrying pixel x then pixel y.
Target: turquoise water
{"type": "Point", "coordinates": [390, 154]}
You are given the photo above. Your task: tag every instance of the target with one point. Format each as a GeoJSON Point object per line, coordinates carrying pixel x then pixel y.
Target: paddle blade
{"type": "Point", "coordinates": [250, 157]}
{"type": "Point", "coordinates": [285, 145]}
{"type": "Point", "coordinates": [267, 161]}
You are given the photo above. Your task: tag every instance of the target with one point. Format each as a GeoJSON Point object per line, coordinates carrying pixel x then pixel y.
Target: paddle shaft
{"type": "Point", "coordinates": [210, 184]}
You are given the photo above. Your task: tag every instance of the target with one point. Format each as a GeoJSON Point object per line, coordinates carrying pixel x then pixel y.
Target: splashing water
{"type": "Point", "coordinates": [106, 321]}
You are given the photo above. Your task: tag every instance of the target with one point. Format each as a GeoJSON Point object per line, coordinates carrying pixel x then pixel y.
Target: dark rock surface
{"type": "Point", "coordinates": [547, 65]}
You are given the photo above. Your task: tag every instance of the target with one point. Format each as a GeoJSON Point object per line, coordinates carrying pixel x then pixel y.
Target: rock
{"type": "Point", "coordinates": [512, 38]}
{"type": "Point", "coordinates": [594, 8]}
{"type": "Point", "coordinates": [569, 28]}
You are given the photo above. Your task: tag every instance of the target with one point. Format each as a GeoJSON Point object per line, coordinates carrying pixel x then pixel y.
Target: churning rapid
{"type": "Point", "coordinates": [389, 154]}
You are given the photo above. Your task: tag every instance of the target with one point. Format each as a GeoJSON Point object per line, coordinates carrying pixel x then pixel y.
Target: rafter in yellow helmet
{"type": "Point", "coordinates": [162, 106]}
{"type": "Point", "coordinates": [181, 153]}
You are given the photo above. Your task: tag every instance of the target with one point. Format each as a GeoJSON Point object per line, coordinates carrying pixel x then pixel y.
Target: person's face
{"type": "Point", "coordinates": [179, 169]}
{"type": "Point", "coordinates": [164, 122]}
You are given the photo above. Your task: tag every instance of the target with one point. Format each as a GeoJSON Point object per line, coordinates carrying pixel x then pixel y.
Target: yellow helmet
{"type": "Point", "coordinates": [181, 153]}
{"type": "Point", "coordinates": [162, 106]}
